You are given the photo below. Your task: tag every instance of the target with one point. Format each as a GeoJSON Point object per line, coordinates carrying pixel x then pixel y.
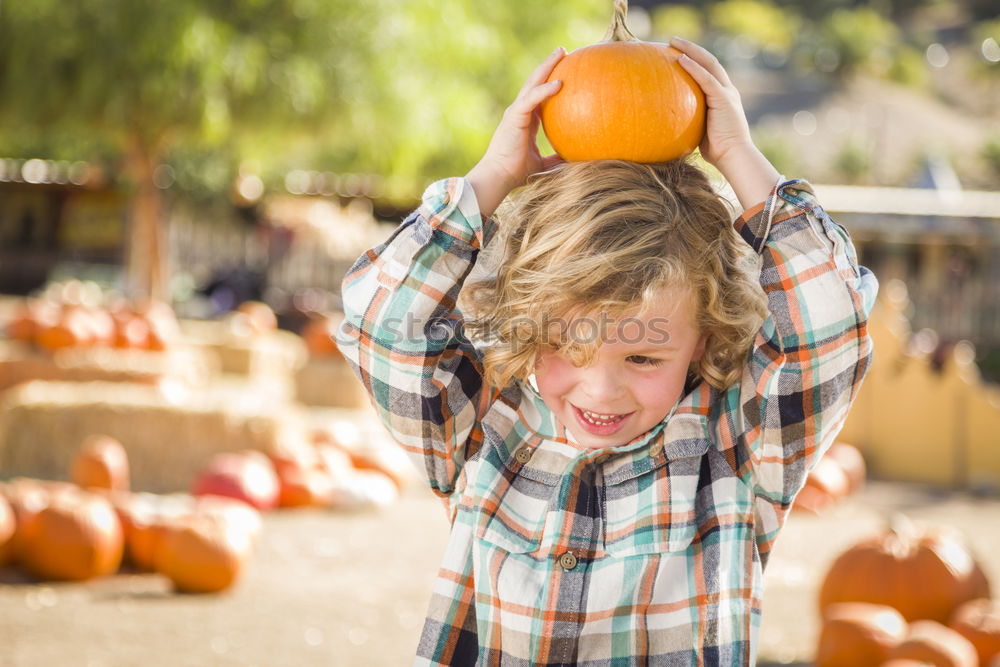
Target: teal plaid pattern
{"type": "Point", "coordinates": [651, 552]}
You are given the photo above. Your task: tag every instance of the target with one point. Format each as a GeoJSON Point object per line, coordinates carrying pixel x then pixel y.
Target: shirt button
{"type": "Point", "coordinates": [568, 561]}
{"type": "Point", "coordinates": [602, 459]}
{"type": "Point", "coordinates": [656, 448]}
{"type": "Point", "coordinates": [523, 455]}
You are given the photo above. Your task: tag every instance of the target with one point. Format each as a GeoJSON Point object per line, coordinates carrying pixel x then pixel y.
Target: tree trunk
{"type": "Point", "coordinates": [145, 274]}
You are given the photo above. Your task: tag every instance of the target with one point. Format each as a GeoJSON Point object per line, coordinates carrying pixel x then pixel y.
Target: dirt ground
{"type": "Point", "coordinates": [351, 589]}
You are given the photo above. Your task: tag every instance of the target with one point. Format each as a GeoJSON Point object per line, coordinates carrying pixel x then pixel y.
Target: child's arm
{"type": "Point", "coordinates": [402, 333]}
{"type": "Point", "coordinates": [812, 352]}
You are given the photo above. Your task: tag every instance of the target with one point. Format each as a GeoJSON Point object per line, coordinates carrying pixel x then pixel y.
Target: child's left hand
{"type": "Point", "coordinates": [727, 145]}
{"type": "Point", "coordinates": [726, 130]}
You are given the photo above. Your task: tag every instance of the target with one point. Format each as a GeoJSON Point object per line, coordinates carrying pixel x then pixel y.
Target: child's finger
{"type": "Point", "coordinates": [703, 57]}
{"type": "Point", "coordinates": [527, 103]}
{"type": "Point", "coordinates": [542, 72]}
{"type": "Point", "coordinates": [710, 84]}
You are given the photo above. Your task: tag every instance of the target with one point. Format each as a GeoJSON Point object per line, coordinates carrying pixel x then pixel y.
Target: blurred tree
{"type": "Point", "coordinates": [146, 77]}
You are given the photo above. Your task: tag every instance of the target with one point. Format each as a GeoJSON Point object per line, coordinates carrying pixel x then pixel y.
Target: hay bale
{"type": "Point", "coordinates": [169, 431]}
{"type": "Point", "coordinates": [20, 362]}
{"type": "Point", "coordinates": [330, 382]}
{"type": "Point", "coordinates": [269, 355]}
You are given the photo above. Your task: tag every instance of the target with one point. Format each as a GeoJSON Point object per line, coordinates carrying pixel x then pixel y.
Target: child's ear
{"type": "Point", "coordinates": [699, 349]}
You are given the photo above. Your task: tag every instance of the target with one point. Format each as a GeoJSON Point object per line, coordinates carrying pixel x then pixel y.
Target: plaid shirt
{"type": "Point", "coordinates": [651, 552]}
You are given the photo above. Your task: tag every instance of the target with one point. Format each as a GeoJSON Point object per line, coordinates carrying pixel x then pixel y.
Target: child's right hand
{"type": "Point", "coordinates": [513, 154]}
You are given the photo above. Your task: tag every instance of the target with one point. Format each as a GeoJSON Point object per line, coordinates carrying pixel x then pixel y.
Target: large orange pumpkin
{"type": "Point", "coordinates": [77, 536]}
{"type": "Point", "coordinates": [858, 634]}
{"type": "Point", "coordinates": [101, 463]}
{"type": "Point", "coordinates": [924, 574]}
{"type": "Point", "coordinates": [929, 641]}
{"type": "Point", "coordinates": [624, 99]}
{"type": "Point", "coordinates": [979, 622]}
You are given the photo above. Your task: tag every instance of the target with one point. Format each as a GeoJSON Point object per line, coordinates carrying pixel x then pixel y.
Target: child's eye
{"type": "Point", "coordinates": [646, 361]}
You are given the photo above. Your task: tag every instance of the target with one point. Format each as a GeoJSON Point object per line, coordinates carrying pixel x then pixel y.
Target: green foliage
{"type": "Point", "coordinates": [853, 162]}
{"type": "Point", "coordinates": [763, 24]}
{"type": "Point", "coordinates": [681, 20]}
{"type": "Point", "coordinates": [991, 155]}
{"type": "Point", "coordinates": [412, 90]}
{"type": "Point", "coordinates": [909, 67]}
{"type": "Point", "coordinates": [777, 148]}
{"type": "Point", "coordinates": [862, 38]}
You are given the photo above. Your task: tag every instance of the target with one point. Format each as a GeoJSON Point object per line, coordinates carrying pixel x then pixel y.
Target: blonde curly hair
{"type": "Point", "coordinates": [606, 236]}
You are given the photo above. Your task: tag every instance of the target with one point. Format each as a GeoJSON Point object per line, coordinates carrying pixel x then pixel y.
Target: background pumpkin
{"type": "Point", "coordinates": [979, 622]}
{"type": "Point", "coordinates": [623, 99]}
{"type": "Point", "coordinates": [203, 555]}
{"type": "Point", "coordinates": [101, 463]}
{"type": "Point", "coordinates": [858, 634]}
{"type": "Point", "coordinates": [247, 476]}
{"type": "Point", "coordinates": [886, 569]}
{"type": "Point", "coordinates": [7, 525]}
{"type": "Point", "coordinates": [76, 536]}
{"type": "Point", "coordinates": [929, 641]}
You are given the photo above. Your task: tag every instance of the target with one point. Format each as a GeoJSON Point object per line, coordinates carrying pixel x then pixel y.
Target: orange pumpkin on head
{"type": "Point", "coordinates": [624, 99]}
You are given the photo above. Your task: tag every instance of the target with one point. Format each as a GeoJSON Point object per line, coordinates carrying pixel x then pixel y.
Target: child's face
{"type": "Point", "coordinates": [639, 371]}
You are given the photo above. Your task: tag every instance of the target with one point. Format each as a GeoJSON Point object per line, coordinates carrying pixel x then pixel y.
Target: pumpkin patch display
{"type": "Point", "coordinates": [76, 536]}
{"type": "Point", "coordinates": [859, 634]}
{"type": "Point", "coordinates": [625, 99]}
{"type": "Point", "coordinates": [925, 574]}
{"type": "Point", "coordinates": [929, 641]}
{"type": "Point", "coordinates": [979, 622]}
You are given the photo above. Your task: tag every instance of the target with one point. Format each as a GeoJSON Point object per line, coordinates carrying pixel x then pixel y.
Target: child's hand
{"type": "Point", "coordinates": [513, 153]}
{"type": "Point", "coordinates": [727, 145]}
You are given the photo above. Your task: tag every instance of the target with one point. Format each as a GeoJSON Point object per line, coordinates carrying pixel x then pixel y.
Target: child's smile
{"type": "Point", "coordinates": [633, 382]}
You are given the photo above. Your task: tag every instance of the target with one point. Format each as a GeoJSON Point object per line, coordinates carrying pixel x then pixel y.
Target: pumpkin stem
{"type": "Point", "coordinates": [618, 31]}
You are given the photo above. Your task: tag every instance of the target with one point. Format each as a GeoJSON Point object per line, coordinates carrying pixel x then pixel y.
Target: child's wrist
{"type": "Point", "coordinates": [490, 185]}
{"type": "Point", "coordinates": [749, 172]}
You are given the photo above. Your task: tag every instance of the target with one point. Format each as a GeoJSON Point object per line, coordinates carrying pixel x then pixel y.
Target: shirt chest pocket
{"type": "Point", "coordinates": [512, 500]}
{"type": "Point", "coordinates": [650, 506]}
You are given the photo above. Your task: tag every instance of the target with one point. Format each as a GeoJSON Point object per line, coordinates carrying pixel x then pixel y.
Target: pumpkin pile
{"type": "Point", "coordinates": [838, 474]}
{"type": "Point", "coordinates": [624, 99]}
{"type": "Point", "coordinates": [71, 317]}
{"type": "Point", "coordinates": [908, 594]}
{"type": "Point", "coordinates": [73, 532]}
{"type": "Point", "coordinates": [201, 541]}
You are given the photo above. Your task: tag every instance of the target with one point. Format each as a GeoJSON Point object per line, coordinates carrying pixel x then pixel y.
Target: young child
{"type": "Point", "coordinates": [621, 445]}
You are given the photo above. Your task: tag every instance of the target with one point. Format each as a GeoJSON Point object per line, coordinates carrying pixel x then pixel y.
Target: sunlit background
{"type": "Point", "coordinates": [183, 185]}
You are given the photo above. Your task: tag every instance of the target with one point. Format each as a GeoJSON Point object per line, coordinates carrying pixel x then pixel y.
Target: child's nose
{"type": "Point", "coordinates": [602, 385]}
